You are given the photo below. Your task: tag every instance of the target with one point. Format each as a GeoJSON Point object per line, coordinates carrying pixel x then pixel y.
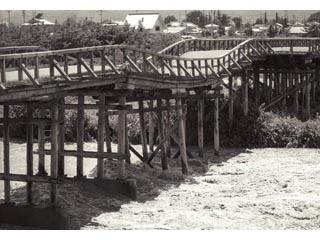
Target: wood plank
{"type": "Point", "coordinates": [143, 132]}
{"type": "Point", "coordinates": [133, 64]}
{"type": "Point", "coordinates": [6, 153]}
{"type": "Point", "coordinates": [151, 127]}
{"type": "Point", "coordinates": [27, 72]}
{"type": "Point", "coordinates": [122, 137]}
{"type": "Point", "coordinates": [29, 153]}
{"type": "Point", "coordinates": [41, 144]}
{"type": "Point", "coordinates": [164, 161]}
{"type": "Point", "coordinates": [200, 127]}
{"type": "Point", "coordinates": [101, 134]}
{"type": "Point", "coordinates": [26, 178]}
{"type": "Point", "coordinates": [61, 71]}
{"type": "Point", "coordinates": [80, 135]}
{"type": "Point", "coordinates": [88, 68]}
{"type": "Point", "coordinates": [54, 149]}
{"type": "Point", "coordinates": [61, 136]}
{"type": "Point", "coordinates": [216, 126]}
{"type": "Point", "coordinates": [182, 139]}
{"type": "Point", "coordinates": [111, 65]}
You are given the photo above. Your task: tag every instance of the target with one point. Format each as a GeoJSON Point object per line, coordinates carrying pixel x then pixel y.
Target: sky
{"type": "Point", "coordinates": [16, 16]}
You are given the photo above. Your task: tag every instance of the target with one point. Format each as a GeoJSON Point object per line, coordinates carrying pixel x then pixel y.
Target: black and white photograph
{"type": "Point", "coordinates": [159, 119]}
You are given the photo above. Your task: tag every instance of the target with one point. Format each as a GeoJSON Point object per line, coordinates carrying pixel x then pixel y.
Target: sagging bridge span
{"type": "Point", "coordinates": [278, 72]}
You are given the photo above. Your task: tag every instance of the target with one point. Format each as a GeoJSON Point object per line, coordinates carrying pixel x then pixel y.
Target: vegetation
{"type": "Point", "coordinates": [170, 19]}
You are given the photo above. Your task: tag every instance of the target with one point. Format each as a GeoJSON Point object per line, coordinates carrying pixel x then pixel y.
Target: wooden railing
{"type": "Point", "coordinates": [72, 65]}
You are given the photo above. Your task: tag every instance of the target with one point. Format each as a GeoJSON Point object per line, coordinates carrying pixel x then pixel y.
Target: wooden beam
{"type": "Point", "coordinates": [101, 135]}
{"type": "Point", "coordinates": [194, 66]}
{"type": "Point", "coordinates": [88, 68]}
{"type": "Point", "coordinates": [135, 152]}
{"type": "Point", "coordinates": [63, 73]}
{"type": "Point", "coordinates": [216, 126]}
{"type": "Point", "coordinates": [54, 149]}
{"type": "Point", "coordinates": [182, 138]}
{"type": "Point", "coordinates": [6, 153]}
{"type": "Point", "coordinates": [133, 64]}
{"type": "Point", "coordinates": [168, 147]}
{"type": "Point", "coordinates": [168, 67]}
{"type": "Point", "coordinates": [80, 135]}
{"type": "Point", "coordinates": [164, 161]}
{"type": "Point", "coordinates": [29, 153]}
{"type": "Point", "coordinates": [244, 85]}
{"type": "Point", "coordinates": [143, 132]}
{"type": "Point", "coordinates": [122, 137]}
{"type": "Point", "coordinates": [26, 71]}
{"type": "Point", "coordinates": [200, 126]}
{"type": "Point", "coordinates": [109, 62]}
{"type": "Point", "coordinates": [26, 178]}
{"type": "Point", "coordinates": [61, 136]}
{"type": "Point", "coordinates": [41, 143]}
{"type": "Point", "coordinates": [153, 67]}
{"type": "Point", "coordinates": [230, 88]}
{"type": "Point", "coordinates": [151, 128]}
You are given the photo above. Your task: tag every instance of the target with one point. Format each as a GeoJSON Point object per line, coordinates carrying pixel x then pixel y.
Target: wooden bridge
{"type": "Point", "coordinates": [277, 71]}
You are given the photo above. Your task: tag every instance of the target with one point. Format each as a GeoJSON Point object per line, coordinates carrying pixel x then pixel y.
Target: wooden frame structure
{"type": "Point", "coordinates": [118, 75]}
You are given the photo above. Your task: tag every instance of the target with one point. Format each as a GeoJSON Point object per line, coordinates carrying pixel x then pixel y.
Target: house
{"type": "Point", "coordinates": [211, 26]}
{"type": "Point", "coordinates": [192, 28]}
{"type": "Point", "coordinates": [38, 20]}
{"type": "Point", "coordinates": [145, 21]}
{"type": "Point", "coordinates": [174, 24]}
{"type": "Point", "coordinates": [297, 31]}
{"type": "Point", "coordinates": [113, 23]}
{"type": "Point", "coordinates": [175, 30]}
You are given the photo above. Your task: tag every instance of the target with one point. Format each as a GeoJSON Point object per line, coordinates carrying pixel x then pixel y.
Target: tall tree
{"type": "Point", "coordinates": [169, 19]}
{"type": "Point", "coordinates": [197, 17]}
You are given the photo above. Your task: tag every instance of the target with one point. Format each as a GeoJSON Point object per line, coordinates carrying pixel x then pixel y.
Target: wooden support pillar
{"type": "Point", "coordinates": [122, 136]}
{"type": "Point", "coordinates": [284, 89]}
{"type": "Point", "coordinates": [230, 101]}
{"type": "Point", "coordinates": [168, 148]}
{"type": "Point", "coordinates": [244, 84]}
{"type": "Point", "coordinates": [29, 156]}
{"type": "Point", "coordinates": [256, 81]}
{"type": "Point", "coordinates": [143, 132]}
{"type": "Point", "coordinates": [200, 126]}
{"type": "Point", "coordinates": [296, 94]}
{"type": "Point", "coordinates": [61, 137]}
{"type": "Point", "coordinates": [164, 162]}
{"type": "Point", "coordinates": [54, 149]}
{"type": "Point", "coordinates": [41, 143]}
{"type": "Point", "coordinates": [308, 96]}
{"type": "Point", "coordinates": [182, 138]}
{"type": "Point", "coordinates": [101, 134]}
{"type": "Point", "coordinates": [80, 135]}
{"type": "Point", "coordinates": [6, 152]}
{"type": "Point", "coordinates": [151, 128]}
{"type": "Point", "coordinates": [265, 86]}
{"type": "Point", "coordinates": [108, 134]}
{"type": "Point", "coordinates": [216, 126]}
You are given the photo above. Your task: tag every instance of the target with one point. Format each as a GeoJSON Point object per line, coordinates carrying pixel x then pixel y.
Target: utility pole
{"type": "Point", "coordinates": [9, 17]}
{"type": "Point", "coordinates": [101, 12]}
{"type": "Point", "coordinates": [24, 15]}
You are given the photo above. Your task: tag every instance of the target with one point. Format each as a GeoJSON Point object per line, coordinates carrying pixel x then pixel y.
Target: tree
{"type": "Point", "coordinates": [224, 20]}
{"type": "Point", "coordinates": [197, 18]}
{"type": "Point", "coordinates": [272, 31]}
{"type": "Point", "coordinates": [259, 21]}
{"type": "Point", "coordinates": [248, 29]}
{"type": "Point", "coordinates": [315, 17]}
{"type": "Point", "coordinates": [265, 20]}
{"type": "Point", "coordinates": [237, 21]}
{"type": "Point", "coordinates": [170, 19]}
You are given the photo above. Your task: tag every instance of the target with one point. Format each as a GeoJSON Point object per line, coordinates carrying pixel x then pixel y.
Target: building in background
{"type": "Point", "coordinates": [145, 21]}
{"type": "Point", "coordinates": [38, 20]}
